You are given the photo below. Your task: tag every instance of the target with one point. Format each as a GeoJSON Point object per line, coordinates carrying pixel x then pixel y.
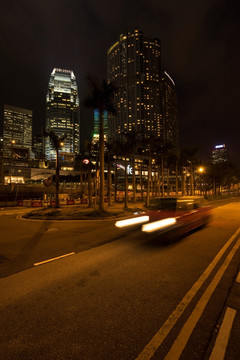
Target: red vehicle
{"type": "Point", "coordinates": [170, 216]}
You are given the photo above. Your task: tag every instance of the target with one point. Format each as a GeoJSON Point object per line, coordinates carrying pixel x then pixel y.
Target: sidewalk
{"type": "Point", "coordinates": [83, 212]}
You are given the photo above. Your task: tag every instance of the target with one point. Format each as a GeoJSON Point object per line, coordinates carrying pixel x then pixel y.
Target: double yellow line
{"type": "Point", "coordinates": [183, 337]}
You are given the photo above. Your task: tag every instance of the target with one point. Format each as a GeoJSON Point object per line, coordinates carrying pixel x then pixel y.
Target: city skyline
{"type": "Point", "coordinates": [199, 43]}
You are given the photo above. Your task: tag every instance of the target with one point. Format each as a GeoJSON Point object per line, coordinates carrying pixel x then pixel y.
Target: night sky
{"type": "Point", "coordinates": [200, 50]}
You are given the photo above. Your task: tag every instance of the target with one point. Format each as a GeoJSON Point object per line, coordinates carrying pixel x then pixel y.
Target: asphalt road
{"type": "Point", "coordinates": [120, 296]}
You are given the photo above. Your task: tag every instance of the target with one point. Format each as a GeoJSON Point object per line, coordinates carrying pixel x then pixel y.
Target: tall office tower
{"type": "Point", "coordinates": [134, 66]}
{"type": "Point", "coordinates": [220, 154]}
{"type": "Point", "coordinates": [169, 109]}
{"type": "Point", "coordinates": [17, 132]}
{"type": "Point", "coordinates": [62, 115]}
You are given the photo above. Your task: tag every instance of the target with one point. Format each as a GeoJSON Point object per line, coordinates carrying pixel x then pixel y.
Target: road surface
{"type": "Point", "coordinates": [117, 295]}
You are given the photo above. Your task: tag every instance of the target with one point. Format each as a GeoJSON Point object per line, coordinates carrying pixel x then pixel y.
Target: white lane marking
{"type": "Point", "coordinates": [53, 259]}
{"type": "Point", "coordinates": [183, 337]}
{"type": "Point", "coordinates": [159, 337]}
{"type": "Point", "coordinates": [218, 352]}
{"type": "Point", "coordinates": [52, 229]}
{"type": "Point", "coordinates": [238, 278]}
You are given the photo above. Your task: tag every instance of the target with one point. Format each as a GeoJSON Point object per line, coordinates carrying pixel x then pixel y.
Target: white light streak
{"type": "Point", "coordinates": [160, 224]}
{"type": "Point", "coordinates": [132, 221]}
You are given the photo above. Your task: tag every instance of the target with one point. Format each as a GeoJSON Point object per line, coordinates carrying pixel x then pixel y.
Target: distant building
{"type": "Point", "coordinates": [220, 154]}
{"type": "Point", "coordinates": [145, 99]}
{"type": "Point", "coordinates": [62, 114]}
{"type": "Point", "coordinates": [96, 129]}
{"type": "Point", "coordinates": [17, 132]}
{"type": "Point", "coordinates": [38, 146]}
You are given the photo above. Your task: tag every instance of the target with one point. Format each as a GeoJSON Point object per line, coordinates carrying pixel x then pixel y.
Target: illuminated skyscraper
{"type": "Point", "coordinates": [17, 130]}
{"type": "Point", "coordinates": [134, 66]}
{"type": "Point", "coordinates": [220, 154]}
{"type": "Point", "coordinates": [62, 115]}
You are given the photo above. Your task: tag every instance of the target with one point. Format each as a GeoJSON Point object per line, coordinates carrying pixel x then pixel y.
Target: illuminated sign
{"type": "Point", "coordinates": [86, 161]}
{"type": "Point", "coordinates": [219, 146]}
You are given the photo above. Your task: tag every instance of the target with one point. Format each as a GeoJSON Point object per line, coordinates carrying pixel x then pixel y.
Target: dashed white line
{"type": "Point", "coordinates": [220, 346]}
{"type": "Point", "coordinates": [53, 259]}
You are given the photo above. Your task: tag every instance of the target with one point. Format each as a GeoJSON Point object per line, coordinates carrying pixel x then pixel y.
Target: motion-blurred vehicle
{"type": "Point", "coordinates": [170, 216]}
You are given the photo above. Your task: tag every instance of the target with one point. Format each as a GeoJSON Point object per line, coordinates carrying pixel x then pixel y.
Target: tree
{"type": "Point", "coordinates": [110, 149]}
{"type": "Point", "coordinates": [121, 150]}
{"type": "Point", "coordinates": [149, 147]}
{"type": "Point", "coordinates": [101, 98]}
{"type": "Point", "coordinates": [131, 143]}
{"type": "Point", "coordinates": [57, 143]}
{"type": "Point", "coordinates": [187, 158]}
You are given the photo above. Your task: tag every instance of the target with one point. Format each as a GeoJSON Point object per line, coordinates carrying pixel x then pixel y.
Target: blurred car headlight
{"type": "Point", "coordinates": [160, 224]}
{"type": "Point", "coordinates": [132, 221]}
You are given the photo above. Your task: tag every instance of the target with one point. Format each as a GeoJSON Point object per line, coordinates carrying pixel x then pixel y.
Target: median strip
{"type": "Point", "coordinates": [53, 259]}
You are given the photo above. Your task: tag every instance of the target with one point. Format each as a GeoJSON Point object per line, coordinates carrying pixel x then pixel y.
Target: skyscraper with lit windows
{"type": "Point", "coordinates": [134, 66]}
{"type": "Point", "coordinates": [17, 130]}
{"type": "Point", "coordinates": [62, 113]}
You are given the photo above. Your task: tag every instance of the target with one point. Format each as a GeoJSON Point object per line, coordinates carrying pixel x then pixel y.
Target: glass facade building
{"type": "Point", "coordinates": [17, 130]}
{"type": "Point", "coordinates": [62, 113]}
{"type": "Point", "coordinates": [220, 154]}
{"type": "Point", "coordinates": [134, 67]}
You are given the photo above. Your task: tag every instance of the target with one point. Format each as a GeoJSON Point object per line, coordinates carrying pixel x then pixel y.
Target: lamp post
{"type": "Point", "coordinates": [201, 170]}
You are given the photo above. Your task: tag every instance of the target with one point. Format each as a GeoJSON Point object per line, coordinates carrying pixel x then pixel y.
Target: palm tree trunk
{"type": "Point", "coordinates": [141, 181]}
{"type": "Point", "coordinates": [89, 186]}
{"type": "Point", "coordinates": [158, 181]}
{"type": "Point", "coordinates": [115, 183]}
{"type": "Point", "coordinates": [149, 179]}
{"type": "Point", "coordinates": [133, 179]}
{"type": "Point", "coordinates": [57, 180]}
{"type": "Point", "coordinates": [109, 182]}
{"type": "Point", "coordinates": [183, 182]}
{"type": "Point", "coordinates": [168, 181]}
{"type": "Point", "coordinates": [162, 176]}
{"type": "Point", "coordinates": [192, 180]}
{"type": "Point", "coordinates": [176, 180]}
{"type": "Point", "coordinates": [126, 184]}
{"type": "Point", "coordinates": [101, 159]}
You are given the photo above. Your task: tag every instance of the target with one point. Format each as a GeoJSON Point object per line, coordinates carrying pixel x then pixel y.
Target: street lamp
{"type": "Point", "coordinates": [201, 170]}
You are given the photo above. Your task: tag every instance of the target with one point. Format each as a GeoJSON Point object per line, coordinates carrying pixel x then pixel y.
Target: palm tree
{"type": "Point", "coordinates": [57, 143]}
{"type": "Point", "coordinates": [122, 151]}
{"type": "Point", "coordinates": [101, 98]}
{"type": "Point", "coordinates": [187, 159]}
{"type": "Point", "coordinates": [149, 147]}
